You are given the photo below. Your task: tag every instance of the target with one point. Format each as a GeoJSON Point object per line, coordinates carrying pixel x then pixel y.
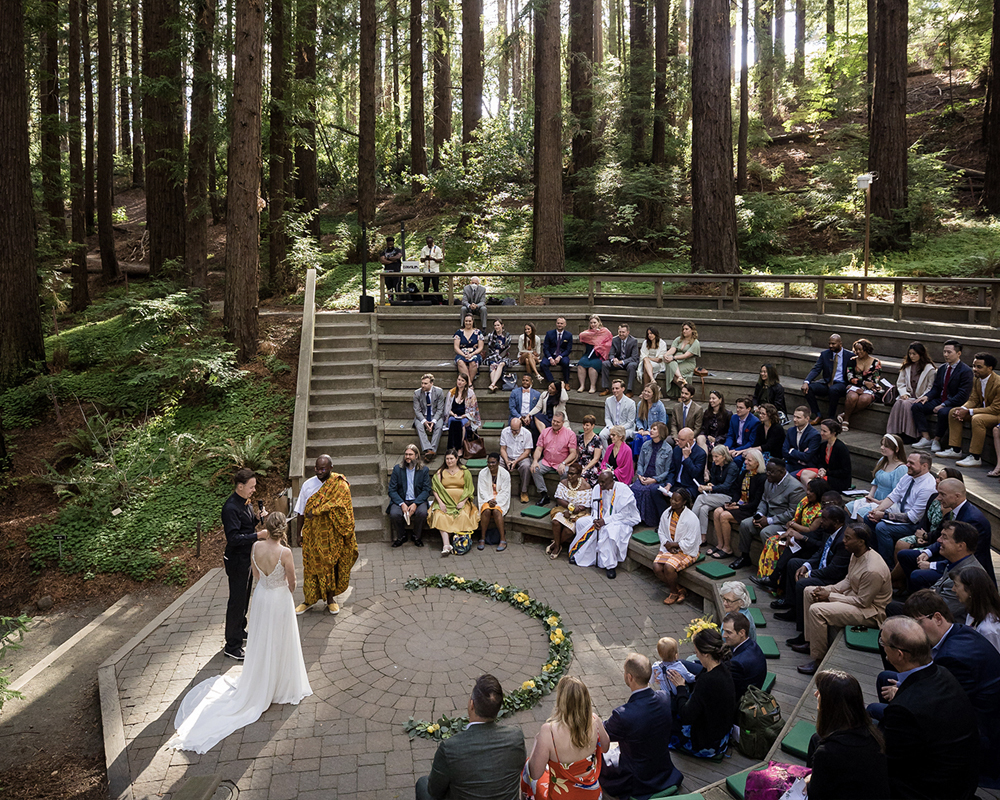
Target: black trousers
{"type": "Point", "coordinates": [418, 519]}
{"type": "Point", "coordinates": [240, 580]}
{"type": "Point", "coordinates": [795, 596]}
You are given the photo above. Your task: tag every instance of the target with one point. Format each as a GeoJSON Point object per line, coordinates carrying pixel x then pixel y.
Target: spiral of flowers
{"type": "Point", "coordinates": [531, 691]}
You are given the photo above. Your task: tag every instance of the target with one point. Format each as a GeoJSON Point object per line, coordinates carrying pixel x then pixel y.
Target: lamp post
{"type": "Point", "coordinates": [865, 185]}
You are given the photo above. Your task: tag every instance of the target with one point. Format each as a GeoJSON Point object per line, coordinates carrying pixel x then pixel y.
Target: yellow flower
{"type": "Point", "coordinates": [498, 588]}
{"type": "Point", "coordinates": [546, 668]}
{"type": "Point", "coordinates": [458, 580]}
{"type": "Point", "coordinates": [557, 637]}
{"type": "Point", "coordinates": [552, 621]}
{"type": "Point", "coordinates": [555, 662]}
{"type": "Point", "coordinates": [528, 685]}
{"type": "Point", "coordinates": [433, 728]}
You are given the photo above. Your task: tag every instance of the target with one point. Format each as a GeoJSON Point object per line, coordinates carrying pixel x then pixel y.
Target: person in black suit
{"type": "Point", "coordinates": [556, 347]}
{"type": "Point", "coordinates": [624, 355]}
{"type": "Point", "coordinates": [951, 388]}
{"type": "Point", "coordinates": [748, 667]}
{"type": "Point", "coordinates": [484, 761]}
{"type": "Point", "coordinates": [239, 521]}
{"type": "Point", "coordinates": [687, 465]}
{"type": "Point", "coordinates": [831, 460]}
{"type": "Point", "coordinates": [409, 488]}
{"type": "Point", "coordinates": [928, 716]}
{"type": "Point", "coordinates": [827, 378]}
{"type": "Point", "coordinates": [801, 441]}
{"type": "Point", "coordinates": [642, 729]}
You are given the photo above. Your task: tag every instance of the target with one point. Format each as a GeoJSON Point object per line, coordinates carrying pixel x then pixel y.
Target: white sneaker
{"type": "Point", "coordinates": [936, 447]}
{"type": "Point", "coordinates": [923, 444]}
{"type": "Point", "coordinates": [951, 452]}
{"type": "Point", "coordinates": [969, 461]}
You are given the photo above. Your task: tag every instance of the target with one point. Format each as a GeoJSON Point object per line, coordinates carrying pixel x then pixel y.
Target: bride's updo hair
{"type": "Point", "coordinates": [277, 527]}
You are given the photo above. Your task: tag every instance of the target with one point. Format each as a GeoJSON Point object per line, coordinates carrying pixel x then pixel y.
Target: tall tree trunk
{"type": "Point", "coordinates": [89, 138]}
{"type": "Point", "coordinates": [366, 114]}
{"type": "Point", "coordinates": [991, 121]}
{"type": "Point", "coordinates": [137, 160]}
{"type": "Point", "coordinates": [779, 42]}
{"type": "Point", "coordinates": [660, 49]}
{"type": "Point", "coordinates": [472, 72]}
{"type": "Point", "coordinates": [744, 131]}
{"type": "Point", "coordinates": [418, 122]}
{"type": "Point", "coordinates": [21, 344]}
{"type": "Point", "coordinates": [397, 124]}
{"type": "Point", "coordinates": [547, 233]}
{"type": "Point", "coordinates": [200, 143]}
{"type": "Point", "coordinates": [713, 208]}
{"type": "Point", "coordinates": [504, 71]}
{"type": "Point", "coordinates": [599, 32]}
{"type": "Point", "coordinates": [50, 162]}
{"type": "Point", "coordinates": [799, 61]}
{"type": "Point", "coordinates": [123, 81]}
{"type": "Point", "coordinates": [640, 75]}
{"type": "Point", "coordinates": [442, 79]}
{"type": "Point", "coordinates": [162, 127]}
{"type": "Point", "coordinates": [764, 51]}
{"type": "Point", "coordinates": [307, 184]}
{"type": "Point", "coordinates": [831, 33]}
{"type": "Point", "coordinates": [516, 55]}
{"type": "Point", "coordinates": [277, 245]}
{"type": "Point", "coordinates": [870, 72]}
{"type": "Point", "coordinates": [243, 215]}
{"type": "Point", "coordinates": [80, 295]}
{"type": "Point", "coordinates": [581, 92]}
{"type": "Point", "coordinates": [613, 44]}
{"type": "Point", "coordinates": [887, 147]}
{"type": "Point", "coordinates": [110, 271]}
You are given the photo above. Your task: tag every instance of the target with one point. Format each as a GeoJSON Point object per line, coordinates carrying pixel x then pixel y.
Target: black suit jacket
{"type": "Point", "coordinates": [397, 485]}
{"type": "Point", "coordinates": [837, 561]}
{"type": "Point", "coordinates": [968, 513]}
{"type": "Point", "coordinates": [931, 741]}
{"type": "Point", "coordinates": [801, 457]}
{"type": "Point", "coordinates": [959, 387]}
{"type": "Point", "coordinates": [823, 368]}
{"type": "Point", "coordinates": [483, 762]}
{"type": "Point", "coordinates": [847, 763]}
{"type": "Point", "coordinates": [642, 729]}
{"type": "Point", "coordinates": [748, 667]}
{"type": "Point", "coordinates": [838, 471]}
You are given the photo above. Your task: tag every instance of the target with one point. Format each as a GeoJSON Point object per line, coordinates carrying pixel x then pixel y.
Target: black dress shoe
{"type": "Point", "coordinates": [398, 542]}
{"type": "Point", "coordinates": [237, 654]}
{"type": "Point", "coordinates": [611, 573]}
{"type": "Point", "coordinates": [740, 562]}
{"type": "Point", "coordinates": [808, 668]}
{"type": "Point", "coordinates": [780, 604]}
{"type": "Point", "coordinates": [786, 616]}
{"type": "Point", "coordinates": [798, 639]}
{"type": "Point", "coordinates": [763, 583]}
{"type": "Point", "coordinates": [800, 648]}
{"type": "Point", "coordinates": [418, 542]}
{"type": "Point", "coordinates": [543, 500]}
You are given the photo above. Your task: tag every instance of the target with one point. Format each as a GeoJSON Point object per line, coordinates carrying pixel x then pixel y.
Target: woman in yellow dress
{"type": "Point", "coordinates": [454, 510]}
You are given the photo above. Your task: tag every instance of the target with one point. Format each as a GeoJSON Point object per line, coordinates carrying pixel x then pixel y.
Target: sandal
{"type": "Point", "coordinates": [548, 550]}
{"type": "Point", "coordinates": [720, 554]}
{"type": "Point", "coordinates": [670, 599]}
{"type": "Point", "coordinates": [555, 554]}
{"type": "Point", "coordinates": [481, 545]}
{"type": "Point", "coordinates": [501, 547]}
{"type": "Point", "coordinates": [994, 473]}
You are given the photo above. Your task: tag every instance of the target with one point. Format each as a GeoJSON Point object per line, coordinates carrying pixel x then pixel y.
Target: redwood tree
{"type": "Point", "coordinates": [196, 246]}
{"type": "Point", "coordinates": [366, 113]}
{"type": "Point", "coordinates": [581, 91]}
{"type": "Point", "coordinates": [418, 125]}
{"type": "Point", "coordinates": [50, 163]}
{"type": "Point", "coordinates": [991, 121]}
{"type": "Point", "coordinates": [80, 296]}
{"type": "Point", "coordinates": [307, 180]}
{"type": "Point", "coordinates": [89, 137]}
{"type": "Point", "coordinates": [640, 77]}
{"type": "Point", "coordinates": [137, 160]}
{"type": "Point", "coordinates": [547, 219]}
{"type": "Point", "coordinates": [744, 129]}
{"type": "Point", "coordinates": [442, 79]}
{"type": "Point", "coordinates": [278, 154]}
{"type": "Point", "coordinates": [660, 50]}
{"type": "Point", "coordinates": [110, 271]}
{"type": "Point", "coordinates": [472, 71]}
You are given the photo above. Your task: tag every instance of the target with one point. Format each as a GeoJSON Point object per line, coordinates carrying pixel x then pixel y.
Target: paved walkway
{"type": "Point", "coordinates": [389, 655]}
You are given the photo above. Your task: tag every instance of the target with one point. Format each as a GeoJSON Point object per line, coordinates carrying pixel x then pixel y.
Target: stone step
{"type": "Point", "coordinates": [358, 367]}
{"type": "Point", "coordinates": [340, 384]}
{"type": "Point", "coordinates": [351, 457]}
{"type": "Point", "coordinates": [375, 529]}
{"type": "Point", "coordinates": [344, 428]}
{"type": "Point", "coordinates": [322, 408]}
{"type": "Point", "coordinates": [322, 355]}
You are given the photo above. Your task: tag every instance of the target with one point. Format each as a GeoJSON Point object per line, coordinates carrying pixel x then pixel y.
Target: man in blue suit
{"type": "Point", "coordinates": [801, 441]}
{"type": "Point", "coordinates": [687, 465]}
{"type": "Point", "coordinates": [556, 347]}
{"type": "Point", "coordinates": [409, 489]}
{"type": "Point", "coordinates": [522, 400]}
{"type": "Point", "coordinates": [742, 426]}
{"type": "Point", "coordinates": [951, 388]}
{"type": "Point", "coordinates": [828, 378]}
{"type": "Point", "coordinates": [642, 729]}
{"type": "Point", "coordinates": [748, 665]}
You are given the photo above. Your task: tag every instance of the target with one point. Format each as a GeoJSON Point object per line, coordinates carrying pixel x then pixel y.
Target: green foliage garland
{"type": "Point", "coordinates": [531, 691]}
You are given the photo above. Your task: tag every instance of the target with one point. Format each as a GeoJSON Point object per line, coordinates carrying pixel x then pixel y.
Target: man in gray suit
{"type": "Point", "coordinates": [484, 761]}
{"type": "Point", "coordinates": [781, 495]}
{"type": "Point", "coordinates": [428, 416]}
{"type": "Point", "coordinates": [473, 300]}
{"type": "Point", "coordinates": [624, 355]}
{"type": "Point", "coordinates": [618, 410]}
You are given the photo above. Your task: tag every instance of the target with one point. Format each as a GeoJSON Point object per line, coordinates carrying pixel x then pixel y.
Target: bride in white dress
{"type": "Point", "coordinates": [273, 672]}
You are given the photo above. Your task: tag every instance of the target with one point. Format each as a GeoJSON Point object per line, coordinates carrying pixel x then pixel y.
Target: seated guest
{"type": "Point", "coordinates": [529, 350]}
{"type": "Point", "coordinates": [618, 456]}
{"type": "Point", "coordinates": [469, 344]}
{"type": "Point", "coordinates": [556, 450]}
{"type": "Point", "coordinates": [706, 712]}
{"type": "Point", "coordinates": [859, 599]}
{"type": "Point", "coordinates": [979, 595]}
{"type": "Point", "coordinates": [618, 410]}
{"type": "Point", "coordinates": [827, 378]}
{"type": "Point", "coordinates": [681, 358]}
{"type": "Point", "coordinates": [679, 540]}
{"type": "Point", "coordinates": [454, 510]}
{"type": "Point", "coordinates": [889, 470]}
{"type": "Point", "coordinates": [568, 748]}
{"type": "Point", "coordinates": [651, 473]}
{"type": "Point", "coordinates": [687, 465]}
{"type": "Point", "coordinates": [927, 705]}
{"type": "Point", "coordinates": [556, 347]}
{"type": "Point", "coordinates": [770, 434]}
{"type": "Point", "coordinates": [685, 413]}
{"type": "Point", "coordinates": [951, 388]}
{"type": "Point", "coordinates": [428, 415]}
{"type": "Point", "coordinates": [748, 667]}
{"type": "Point", "coordinates": [802, 529]}
{"type": "Point", "coordinates": [714, 422]}
{"type": "Point", "coordinates": [781, 495]}
{"type": "Point", "coordinates": [591, 450]}
{"type": "Point", "coordinates": [651, 355]}
{"type": "Point", "coordinates": [744, 506]}
{"type": "Point", "coordinates": [461, 410]}
{"type": "Point", "coordinates": [522, 400]}
{"type": "Point", "coordinates": [736, 598]}
{"type": "Point", "coordinates": [624, 355]}
{"type": "Point", "coordinates": [769, 390]}
{"type": "Point", "coordinates": [666, 649]}
{"type": "Point", "coordinates": [832, 459]}
{"type": "Point", "coordinates": [484, 760]}
{"type": "Point", "coordinates": [474, 300]}
{"type": "Point", "coordinates": [896, 516]}
{"type": "Point", "coordinates": [864, 372]}
{"type": "Point", "coordinates": [498, 354]}
{"type": "Point", "coordinates": [642, 729]}
{"type": "Point", "coordinates": [494, 500]}
{"type": "Point", "coordinates": [573, 496]}
{"type": "Point", "coordinates": [409, 490]}
{"type": "Point", "coordinates": [597, 340]}
{"type": "Point", "coordinates": [549, 403]}
{"type": "Point", "coordinates": [742, 427]}
{"type": "Point", "coordinates": [929, 526]}
{"type": "Point", "coordinates": [916, 375]}
{"type": "Point", "coordinates": [515, 452]}
{"type": "Point", "coordinates": [847, 752]}
{"type": "Point", "coordinates": [602, 536]}
{"type": "Point", "coordinates": [956, 550]}
{"type": "Point", "coordinates": [648, 411]}
{"type": "Point", "coordinates": [982, 410]}
{"type": "Point", "coordinates": [801, 442]}
{"type": "Point", "coordinates": [723, 487]}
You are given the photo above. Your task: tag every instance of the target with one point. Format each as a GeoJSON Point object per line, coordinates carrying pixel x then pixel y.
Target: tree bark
{"type": "Point", "coordinates": [581, 92]}
{"type": "Point", "coordinates": [397, 124]}
{"type": "Point", "coordinates": [504, 70]}
{"type": "Point", "coordinates": [764, 52]}
{"type": "Point", "coordinates": [613, 49]}
{"type": "Point", "coordinates": [243, 215]}
{"type": "Point", "coordinates": [80, 294]}
{"type": "Point", "coordinates": [779, 43]}
{"type": "Point", "coordinates": [744, 131]}
{"type": "Point", "coordinates": [199, 144]}
{"type": "Point", "coordinates": [472, 72]}
{"type": "Point", "coordinates": [713, 210]}
{"type": "Point", "coordinates": [418, 122]}
{"type": "Point", "coordinates": [89, 139]}
{"type": "Point", "coordinates": [124, 137]}
{"type": "Point", "coordinates": [599, 32]}
{"type": "Point", "coordinates": [277, 245]}
{"type": "Point", "coordinates": [366, 114]}
{"type": "Point", "coordinates": [991, 121]}
{"type": "Point", "coordinates": [547, 225]}
{"type": "Point", "coordinates": [640, 77]}
{"type": "Point", "coordinates": [22, 349]}
{"type": "Point", "coordinates": [516, 55]}
{"type": "Point", "coordinates": [110, 271]}
{"type": "Point", "coordinates": [50, 163]}
{"type": "Point", "coordinates": [887, 148]}
{"type": "Point", "coordinates": [799, 60]}
{"type": "Point", "coordinates": [138, 171]}
{"type": "Point", "coordinates": [307, 183]}
{"type": "Point", "coordinates": [660, 50]}
{"type": "Point", "coordinates": [872, 13]}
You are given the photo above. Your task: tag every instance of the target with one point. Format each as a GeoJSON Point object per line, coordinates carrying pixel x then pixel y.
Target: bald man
{"type": "Point", "coordinates": [827, 378]}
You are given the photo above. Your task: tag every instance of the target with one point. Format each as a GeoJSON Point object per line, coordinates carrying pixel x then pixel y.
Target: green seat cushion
{"type": "Point", "coordinates": [737, 784]}
{"type": "Point", "coordinates": [692, 796]}
{"type": "Point", "coordinates": [769, 681]}
{"type": "Point", "coordinates": [797, 740]}
{"type": "Point", "coordinates": [476, 463]}
{"type": "Point", "coordinates": [493, 426]}
{"type": "Point", "coordinates": [646, 536]}
{"type": "Point", "coordinates": [535, 512]}
{"type": "Point", "coordinates": [757, 617]}
{"type": "Point", "coordinates": [715, 569]}
{"type": "Point", "coordinates": [866, 639]}
{"type": "Point", "coordinates": [751, 592]}
{"type": "Point", "coordinates": [700, 558]}
{"type": "Point", "coordinates": [768, 646]}
{"type": "Point", "coordinates": [668, 792]}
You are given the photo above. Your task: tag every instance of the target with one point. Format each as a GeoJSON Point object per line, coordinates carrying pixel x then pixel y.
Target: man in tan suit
{"type": "Point", "coordinates": [685, 414]}
{"type": "Point", "coordinates": [982, 409]}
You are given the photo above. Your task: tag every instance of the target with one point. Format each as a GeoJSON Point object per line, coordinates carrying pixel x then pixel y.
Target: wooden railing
{"type": "Point", "coordinates": [730, 289]}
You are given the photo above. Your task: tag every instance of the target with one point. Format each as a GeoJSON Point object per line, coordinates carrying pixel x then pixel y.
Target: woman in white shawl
{"type": "Point", "coordinates": [494, 500]}
{"type": "Point", "coordinates": [680, 538]}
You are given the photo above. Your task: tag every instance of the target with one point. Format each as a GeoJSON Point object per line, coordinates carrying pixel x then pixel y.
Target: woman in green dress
{"type": "Point", "coordinates": [682, 359]}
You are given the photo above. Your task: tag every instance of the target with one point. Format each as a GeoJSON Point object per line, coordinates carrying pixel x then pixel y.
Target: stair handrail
{"type": "Point", "coordinates": [300, 422]}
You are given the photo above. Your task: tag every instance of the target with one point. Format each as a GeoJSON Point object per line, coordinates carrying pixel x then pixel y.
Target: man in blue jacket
{"type": "Point", "coordinates": [801, 442]}
{"type": "Point", "coordinates": [556, 347]}
{"type": "Point", "coordinates": [951, 388]}
{"type": "Point", "coordinates": [687, 465]}
{"type": "Point", "coordinates": [827, 378]}
{"type": "Point", "coordinates": [748, 666]}
{"type": "Point", "coordinates": [742, 427]}
{"type": "Point", "coordinates": [522, 400]}
{"type": "Point", "coordinates": [409, 489]}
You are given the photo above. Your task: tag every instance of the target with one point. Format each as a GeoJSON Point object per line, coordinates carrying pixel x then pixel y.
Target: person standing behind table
{"type": "Point", "coordinates": [515, 452]}
{"type": "Point", "coordinates": [624, 355]}
{"type": "Point", "coordinates": [769, 390]}
{"type": "Point", "coordinates": [742, 427]}
{"type": "Point", "coordinates": [618, 410]}
{"type": "Point", "coordinates": [687, 465]}
{"type": "Point", "coordinates": [685, 413]}
{"type": "Point", "coordinates": [522, 399]}
{"type": "Point", "coordinates": [597, 339]}
{"type": "Point", "coordinates": [951, 388]}
{"type": "Point", "coordinates": [827, 378]}
{"type": "Point", "coordinates": [239, 521]}
{"type": "Point", "coordinates": [982, 410]}
{"type": "Point", "coordinates": [391, 260]}
{"type": "Point", "coordinates": [329, 544]}
{"type": "Point", "coordinates": [916, 375]}
{"type": "Point", "coordinates": [714, 422]}
{"type": "Point", "coordinates": [428, 415]}
{"type": "Point", "coordinates": [431, 258]}
{"type": "Point", "coordinates": [529, 350]}
{"type": "Point", "coordinates": [555, 451]}
{"type": "Point", "coordinates": [897, 515]}
{"type": "Point", "coordinates": [483, 761]}
{"type": "Point", "coordinates": [681, 358]}
{"type": "Point", "coordinates": [474, 301]}
{"type": "Point", "coordinates": [556, 347]}
{"type": "Point", "coordinates": [409, 491]}
{"type": "Point", "coordinates": [801, 442]}
{"type": "Point", "coordinates": [602, 536]}
{"type": "Point", "coordinates": [782, 494]}
{"type": "Point", "coordinates": [494, 500]}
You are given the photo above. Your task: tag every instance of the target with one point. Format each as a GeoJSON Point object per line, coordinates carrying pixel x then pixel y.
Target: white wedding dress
{"type": "Point", "coordinates": [273, 672]}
